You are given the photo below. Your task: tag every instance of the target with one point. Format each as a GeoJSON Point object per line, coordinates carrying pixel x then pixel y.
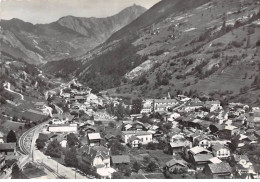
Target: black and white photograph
{"type": "Point", "coordinates": [129, 89]}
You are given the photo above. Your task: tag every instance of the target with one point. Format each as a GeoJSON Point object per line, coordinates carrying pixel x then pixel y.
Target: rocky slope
{"type": "Point", "coordinates": [191, 47]}
{"type": "Point", "coordinates": [69, 36]}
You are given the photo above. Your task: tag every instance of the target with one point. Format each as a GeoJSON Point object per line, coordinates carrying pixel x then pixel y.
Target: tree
{"type": "Point", "coordinates": [54, 149]}
{"type": "Point", "coordinates": [137, 106]}
{"type": "Point", "coordinates": [151, 146]}
{"type": "Point", "coordinates": [11, 137]}
{"type": "Point", "coordinates": [40, 144]}
{"type": "Point", "coordinates": [116, 147]}
{"type": "Point", "coordinates": [234, 143]}
{"type": "Point", "coordinates": [72, 140]}
{"type": "Point", "coordinates": [17, 173]}
{"type": "Point", "coordinates": [136, 166]}
{"type": "Point", "coordinates": [117, 175]}
{"type": "Point", "coordinates": [151, 167]}
{"type": "Point", "coordinates": [71, 157]}
{"type": "Point", "coordinates": [120, 112]}
{"type": "Point", "coordinates": [111, 124]}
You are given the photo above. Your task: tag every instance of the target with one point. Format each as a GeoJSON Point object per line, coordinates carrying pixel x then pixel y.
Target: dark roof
{"type": "Point", "coordinates": [109, 136]}
{"type": "Point", "coordinates": [252, 137]}
{"type": "Point", "coordinates": [119, 159]}
{"type": "Point", "coordinates": [222, 167]}
{"type": "Point", "coordinates": [174, 162]}
{"type": "Point", "coordinates": [7, 146]}
{"type": "Point", "coordinates": [218, 146]}
{"type": "Point", "coordinates": [91, 152]}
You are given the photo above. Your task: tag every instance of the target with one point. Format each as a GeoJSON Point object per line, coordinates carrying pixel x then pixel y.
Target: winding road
{"type": "Point", "coordinates": [7, 87]}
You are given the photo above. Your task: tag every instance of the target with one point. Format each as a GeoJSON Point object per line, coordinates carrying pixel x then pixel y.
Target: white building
{"type": "Point", "coordinates": [144, 136]}
{"type": "Point", "coordinates": [65, 128]}
{"type": "Point", "coordinates": [164, 104]}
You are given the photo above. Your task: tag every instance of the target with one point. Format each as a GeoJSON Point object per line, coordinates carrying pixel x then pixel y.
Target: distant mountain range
{"type": "Point", "coordinates": [192, 47]}
{"type": "Point", "coordinates": [68, 37]}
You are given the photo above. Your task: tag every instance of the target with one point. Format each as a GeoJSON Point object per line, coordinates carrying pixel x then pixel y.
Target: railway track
{"type": "Point", "coordinates": [25, 141]}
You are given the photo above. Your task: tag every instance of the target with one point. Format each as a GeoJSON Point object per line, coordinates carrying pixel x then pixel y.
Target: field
{"type": "Point", "coordinates": [8, 125]}
{"type": "Point", "coordinates": [160, 156]}
{"type": "Point", "coordinates": [33, 172]}
{"type": "Point", "coordinates": [33, 116]}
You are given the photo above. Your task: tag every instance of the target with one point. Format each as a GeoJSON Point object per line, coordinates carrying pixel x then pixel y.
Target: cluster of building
{"type": "Point", "coordinates": [201, 133]}
{"type": "Point", "coordinates": [7, 151]}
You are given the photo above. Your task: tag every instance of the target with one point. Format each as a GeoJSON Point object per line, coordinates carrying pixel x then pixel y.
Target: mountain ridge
{"type": "Point", "coordinates": [63, 38]}
{"type": "Point", "coordinates": [193, 50]}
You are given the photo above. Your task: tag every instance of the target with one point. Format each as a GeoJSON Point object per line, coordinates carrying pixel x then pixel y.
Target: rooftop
{"type": "Point", "coordinates": [174, 162]}
{"type": "Point", "coordinates": [7, 146]}
{"type": "Point", "coordinates": [215, 160]}
{"type": "Point", "coordinates": [220, 168]}
{"type": "Point", "coordinates": [165, 100]}
{"type": "Point", "coordinates": [197, 150]}
{"type": "Point", "coordinates": [94, 136]}
{"type": "Point", "coordinates": [202, 157]}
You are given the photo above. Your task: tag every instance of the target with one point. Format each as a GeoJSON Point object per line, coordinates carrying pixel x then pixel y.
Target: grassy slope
{"type": "Point", "coordinates": [228, 77]}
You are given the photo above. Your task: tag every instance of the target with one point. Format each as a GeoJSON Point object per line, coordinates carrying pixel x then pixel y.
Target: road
{"type": "Point", "coordinates": [7, 87]}
{"type": "Point", "coordinates": [59, 110]}
{"type": "Point", "coordinates": [39, 157]}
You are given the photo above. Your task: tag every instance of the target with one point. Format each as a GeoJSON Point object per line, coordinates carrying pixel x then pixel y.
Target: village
{"type": "Point", "coordinates": [103, 137]}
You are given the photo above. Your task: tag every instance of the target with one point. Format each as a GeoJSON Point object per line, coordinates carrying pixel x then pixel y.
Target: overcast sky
{"type": "Point", "coordinates": [46, 11]}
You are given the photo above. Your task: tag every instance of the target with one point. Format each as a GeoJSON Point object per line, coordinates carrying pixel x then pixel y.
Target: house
{"type": "Point", "coordinates": [215, 160]}
{"type": "Point", "coordinates": [172, 137]}
{"type": "Point", "coordinates": [57, 121]}
{"type": "Point", "coordinates": [164, 104]}
{"type": "Point", "coordinates": [137, 126]}
{"type": "Point", "coordinates": [127, 127]}
{"type": "Point", "coordinates": [194, 105]}
{"type": "Point", "coordinates": [146, 110]}
{"type": "Point", "coordinates": [94, 139]}
{"type": "Point", "coordinates": [213, 105]}
{"type": "Point", "coordinates": [174, 165]}
{"type": "Point", "coordinates": [197, 150]}
{"type": "Point", "coordinates": [243, 165]}
{"type": "Point", "coordinates": [178, 146]}
{"type": "Point", "coordinates": [64, 128]}
{"type": "Point", "coordinates": [201, 160]}
{"type": "Point", "coordinates": [134, 142]}
{"type": "Point", "coordinates": [220, 151]}
{"type": "Point", "coordinates": [2, 137]}
{"type": "Point", "coordinates": [119, 159]}
{"type": "Point", "coordinates": [147, 126]}
{"type": "Point", "coordinates": [96, 156]}
{"type": "Point", "coordinates": [202, 141]}
{"type": "Point", "coordinates": [2, 161]}
{"type": "Point", "coordinates": [228, 132]}
{"type": "Point", "coordinates": [173, 116]}
{"type": "Point", "coordinates": [109, 137]}
{"type": "Point", "coordinates": [218, 171]}
{"type": "Point", "coordinates": [144, 136]}
{"type": "Point", "coordinates": [62, 139]}
{"type": "Point", "coordinates": [8, 149]}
